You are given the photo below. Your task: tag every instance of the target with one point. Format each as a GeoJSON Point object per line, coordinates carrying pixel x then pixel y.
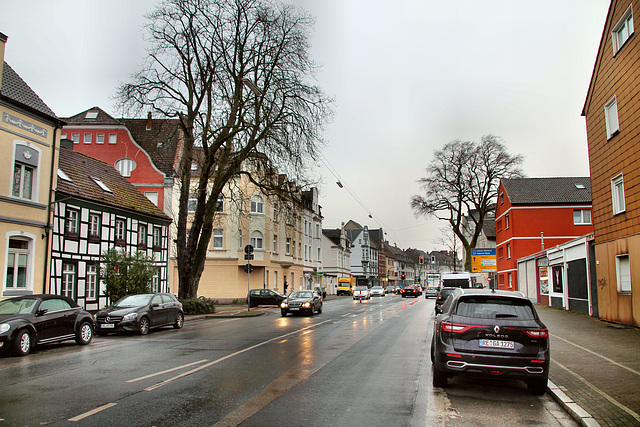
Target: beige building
{"type": "Point", "coordinates": [29, 138]}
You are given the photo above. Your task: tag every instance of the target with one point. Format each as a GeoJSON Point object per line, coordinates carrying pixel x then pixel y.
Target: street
{"type": "Point", "coordinates": [355, 364]}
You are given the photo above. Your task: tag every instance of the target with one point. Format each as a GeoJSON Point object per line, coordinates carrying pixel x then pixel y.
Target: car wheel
{"type": "Point", "coordinates": [23, 343]}
{"type": "Point", "coordinates": [537, 386]}
{"type": "Point", "coordinates": [320, 310]}
{"type": "Point", "coordinates": [179, 321]}
{"type": "Point", "coordinates": [439, 378]}
{"type": "Point", "coordinates": [283, 313]}
{"type": "Point", "coordinates": [143, 326]}
{"type": "Point", "coordinates": [84, 335]}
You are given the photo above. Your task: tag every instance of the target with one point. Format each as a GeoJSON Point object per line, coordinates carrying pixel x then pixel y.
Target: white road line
{"type": "Point", "coordinates": [602, 393]}
{"type": "Point", "coordinates": [613, 362]}
{"type": "Point", "coordinates": [160, 384]}
{"type": "Point", "coordinates": [92, 412]}
{"type": "Point", "coordinates": [168, 370]}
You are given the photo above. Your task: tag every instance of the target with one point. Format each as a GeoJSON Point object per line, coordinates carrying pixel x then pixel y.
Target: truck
{"type": "Point", "coordinates": [456, 279]}
{"type": "Point", "coordinates": [346, 285]}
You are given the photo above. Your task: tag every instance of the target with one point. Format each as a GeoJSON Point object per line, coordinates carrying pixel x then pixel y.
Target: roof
{"type": "Point", "coordinates": [81, 169]}
{"type": "Point", "coordinates": [161, 141]}
{"type": "Point", "coordinates": [18, 91]}
{"type": "Point", "coordinates": [529, 191]}
{"type": "Point", "coordinates": [332, 234]}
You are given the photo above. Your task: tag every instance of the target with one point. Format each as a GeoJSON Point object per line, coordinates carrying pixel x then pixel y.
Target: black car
{"type": "Point", "coordinates": [42, 319]}
{"type": "Point", "coordinates": [139, 313]}
{"type": "Point", "coordinates": [306, 302]}
{"type": "Point", "coordinates": [442, 297]}
{"type": "Point", "coordinates": [491, 334]}
{"type": "Point", "coordinates": [264, 297]}
{"type": "Point", "coordinates": [410, 291]}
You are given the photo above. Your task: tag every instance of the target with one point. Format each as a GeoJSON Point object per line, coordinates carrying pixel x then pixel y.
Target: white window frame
{"type": "Point", "coordinates": [288, 246]}
{"type": "Point", "coordinates": [611, 118]}
{"type": "Point", "coordinates": [617, 194]}
{"type": "Point", "coordinates": [623, 30]}
{"type": "Point", "coordinates": [88, 138]}
{"type": "Point", "coordinates": [15, 252]}
{"type": "Point", "coordinates": [142, 235]}
{"type": "Point", "coordinates": [257, 240]}
{"type": "Point", "coordinates": [217, 241]}
{"type": "Point", "coordinates": [508, 250]}
{"type": "Point", "coordinates": [192, 203]}
{"type": "Point", "coordinates": [623, 273]}
{"type": "Point", "coordinates": [275, 244]}
{"type": "Point", "coordinates": [121, 230]}
{"type": "Point", "coordinates": [67, 288]}
{"type": "Point", "coordinates": [72, 221]}
{"type": "Point", "coordinates": [581, 216]}
{"type": "Point", "coordinates": [157, 237]}
{"type": "Point", "coordinates": [220, 204]}
{"type": "Point", "coordinates": [91, 281]}
{"type": "Point", "coordinates": [257, 205]}
{"type": "Point", "coordinates": [113, 138]}
{"type": "Point", "coordinates": [75, 137]}
{"type": "Point", "coordinates": [125, 166]}
{"type": "Point", "coordinates": [100, 138]}
{"type": "Point", "coordinates": [94, 225]}
{"type": "Point", "coordinates": [24, 165]}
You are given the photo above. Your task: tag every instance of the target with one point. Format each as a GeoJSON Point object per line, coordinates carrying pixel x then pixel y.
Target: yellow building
{"type": "Point", "coordinates": [29, 135]}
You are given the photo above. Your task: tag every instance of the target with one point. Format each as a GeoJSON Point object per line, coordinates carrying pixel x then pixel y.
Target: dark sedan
{"type": "Point", "coordinates": [305, 302]}
{"type": "Point", "coordinates": [264, 297]}
{"type": "Point", "coordinates": [491, 334]}
{"type": "Point", "coordinates": [410, 291]}
{"type": "Point", "coordinates": [442, 296]}
{"type": "Point", "coordinates": [139, 313]}
{"type": "Point", "coordinates": [42, 319]}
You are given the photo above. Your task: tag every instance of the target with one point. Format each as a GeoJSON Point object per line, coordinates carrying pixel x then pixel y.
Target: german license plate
{"type": "Point", "coordinates": [107, 326]}
{"type": "Point", "coordinates": [294, 308]}
{"type": "Point", "coordinates": [497, 344]}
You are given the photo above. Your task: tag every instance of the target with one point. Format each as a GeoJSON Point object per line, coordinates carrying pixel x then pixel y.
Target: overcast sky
{"type": "Point", "coordinates": [407, 76]}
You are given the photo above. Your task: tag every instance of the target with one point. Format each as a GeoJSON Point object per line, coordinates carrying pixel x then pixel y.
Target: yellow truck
{"type": "Point", "coordinates": [346, 285]}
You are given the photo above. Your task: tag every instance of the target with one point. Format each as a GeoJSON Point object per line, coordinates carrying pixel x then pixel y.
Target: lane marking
{"type": "Point", "coordinates": [91, 412]}
{"type": "Point", "coordinates": [168, 370]}
{"type": "Point", "coordinates": [160, 384]}
{"type": "Point", "coordinates": [600, 392]}
{"type": "Point", "coordinates": [613, 362]}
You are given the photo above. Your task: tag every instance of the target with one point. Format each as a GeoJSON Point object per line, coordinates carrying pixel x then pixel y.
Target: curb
{"type": "Point", "coordinates": [577, 413]}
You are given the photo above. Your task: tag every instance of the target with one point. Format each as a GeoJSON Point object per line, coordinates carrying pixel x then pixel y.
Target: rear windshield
{"type": "Point", "coordinates": [457, 283]}
{"type": "Point", "coordinates": [495, 308]}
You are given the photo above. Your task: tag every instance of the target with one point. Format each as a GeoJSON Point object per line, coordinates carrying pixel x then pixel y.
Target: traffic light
{"type": "Point", "coordinates": [421, 259]}
{"type": "Point", "coordinates": [402, 276]}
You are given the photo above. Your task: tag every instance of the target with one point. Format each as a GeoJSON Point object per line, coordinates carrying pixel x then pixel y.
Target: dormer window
{"type": "Point", "coordinates": [101, 184]}
{"type": "Point", "coordinates": [64, 176]}
{"type": "Point", "coordinates": [92, 115]}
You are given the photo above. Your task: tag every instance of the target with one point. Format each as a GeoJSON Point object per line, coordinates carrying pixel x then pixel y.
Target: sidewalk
{"type": "Point", "coordinates": [595, 368]}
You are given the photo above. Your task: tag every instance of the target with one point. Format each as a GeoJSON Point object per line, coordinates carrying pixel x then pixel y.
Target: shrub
{"type": "Point", "coordinates": [124, 273]}
{"type": "Point", "coordinates": [200, 305]}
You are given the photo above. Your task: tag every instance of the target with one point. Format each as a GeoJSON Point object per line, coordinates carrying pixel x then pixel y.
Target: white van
{"type": "Point", "coordinates": [457, 279]}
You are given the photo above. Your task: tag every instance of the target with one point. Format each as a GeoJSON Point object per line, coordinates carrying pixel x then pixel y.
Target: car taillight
{"type": "Point", "coordinates": [458, 329]}
{"type": "Point", "coordinates": [533, 333]}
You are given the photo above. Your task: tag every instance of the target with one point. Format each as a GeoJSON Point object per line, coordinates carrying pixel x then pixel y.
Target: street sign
{"type": "Point", "coordinates": [248, 256]}
{"type": "Point", "coordinates": [248, 268]}
{"type": "Point", "coordinates": [483, 260]}
{"type": "Point", "coordinates": [248, 249]}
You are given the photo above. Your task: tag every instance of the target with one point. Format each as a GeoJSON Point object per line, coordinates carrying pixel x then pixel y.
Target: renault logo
{"type": "Point", "coordinates": [496, 328]}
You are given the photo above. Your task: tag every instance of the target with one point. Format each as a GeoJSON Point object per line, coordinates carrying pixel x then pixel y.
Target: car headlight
{"type": "Point", "coordinates": [130, 316]}
{"type": "Point", "coordinates": [4, 327]}
{"type": "Point", "coordinates": [284, 304]}
{"type": "Point", "coordinates": [306, 304]}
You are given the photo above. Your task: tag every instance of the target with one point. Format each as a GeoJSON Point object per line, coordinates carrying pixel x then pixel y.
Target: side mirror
{"type": "Point", "coordinates": [42, 312]}
{"type": "Point", "coordinates": [155, 305]}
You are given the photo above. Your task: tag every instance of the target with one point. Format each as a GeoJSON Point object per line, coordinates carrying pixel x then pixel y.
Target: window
{"type": "Point", "coordinates": [155, 282]}
{"type": "Point", "coordinates": [92, 281]}
{"type": "Point", "coordinates": [87, 138]}
{"type": "Point", "coordinates": [508, 250]}
{"type": "Point", "coordinates": [510, 280]}
{"type": "Point", "coordinates": [319, 257]}
{"type": "Point", "coordinates": [68, 280]}
{"type": "Point", "coordinates": [220, 204]}
{"type": "Point", "coordinates": [623, 273]}
{"type": "Point", "coordinates": [256, 240]}
{"type": "Point", "coordinates": [502, 198]}
{"type": "Point", "coordinates": [25, 177]}
{"type": "Point", "coordinates": [194, 167]}
{"type": "Point", "coordinates": [142, 235]}
{"type": "Point", "coordinates": [91, 115]}
{"type": "Point", "coordinates": [581, 216]}
{"type": "Point", "coordinates": [18, 266]}
{"type": "Point", "coordinates": [120, 231]}
{"type": "Point", "coordinates": [75, 137]}
{"type": "Point", "coordinates": [63, 136]}
{"type": "Point", "coordinates": [157, 238]}
{"type": "Point", "coordinates": [113, 138]}
{"type": "Point", "coordinates": [71, 226]}
{"type": "Point", "coordinates": [275, 212]}
{"type": "Point", "coordinates": [275, 244]}
{"type": "Point", "coordinates": [101, 184]}
{"type": "Point", "coordinates": [125, 166]}
{"type": "Point", "coordinates": [623, 30]}
{"type": "Point", "coordinates": [506, 221]}
{"type": "Point", "coordinates": [193, 202]}
{"type": "Point", "coordinates": [94, 226]}
{"type": "Point", "coordinates": [100, 138]}
{"type": "Point", "coordinates": [500, 253]}
{"type": "Point", "coordinates": [257, 205]}
{"type": "Point", "coordinates": [218, 239]}
{"type": "Point", "coordinates": [617, 194]}
{"type": "Point", "coordinates": [287, 249]}
{"type": "Point", "coordinates": [64, 176]}
{"type": "Point", "coordinates": [153, 196]}
{"type": "Point", "coordinates": [611, 117]}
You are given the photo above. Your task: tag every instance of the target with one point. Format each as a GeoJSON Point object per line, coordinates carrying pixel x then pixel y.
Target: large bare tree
{"type": "Point", "coordinates": [463, 177]}
{"type": "Point", "coordinates": [238, 77]}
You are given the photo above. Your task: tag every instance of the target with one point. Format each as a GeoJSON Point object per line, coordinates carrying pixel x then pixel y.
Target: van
{"type": "Point", "coordinates": [457, 279]}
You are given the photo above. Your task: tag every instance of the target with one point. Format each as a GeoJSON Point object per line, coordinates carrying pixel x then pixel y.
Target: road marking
{"type": "Point", "coordinates": [602, 393]}
{"type": "Point", "coordinates": [168, 370]}
{"type": "Point", "coordinates": [613, 362]}
{"type": "Point", "coordinates": [92, 412]}
{"type": "Point", "coordinates": [160, 384]}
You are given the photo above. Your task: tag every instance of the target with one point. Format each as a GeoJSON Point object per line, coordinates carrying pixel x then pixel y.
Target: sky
{"type": "Point", "coordinates": [407, 76]}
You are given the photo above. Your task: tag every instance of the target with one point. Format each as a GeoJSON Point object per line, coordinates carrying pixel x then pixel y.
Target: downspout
{"type": "Point", "coordinates": [47, 231]}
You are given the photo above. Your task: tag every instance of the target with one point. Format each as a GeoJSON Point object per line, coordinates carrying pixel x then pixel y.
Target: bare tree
{"type": "Point", "coordinates": [237, 76]}
{"type": "Point", "coordinates": [464, 176]}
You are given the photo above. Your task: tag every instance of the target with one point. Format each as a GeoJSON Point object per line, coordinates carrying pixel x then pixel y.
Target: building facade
{"type": "Point", "coordinates": [336, 256]}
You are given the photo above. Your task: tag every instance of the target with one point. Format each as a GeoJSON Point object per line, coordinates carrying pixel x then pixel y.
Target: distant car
{"type": "Point", "coordinates": [390, 289]}
{"type": "Point", "coordinates": [442, 296]}
{"type": "Point", "coordinates": [42, 319]}
{"type": "Point", "coordinates": [361, 292]}
{"type": "Point", "coordinates": [264, 297]}
{"type": "Point", "coordinates": [431, 291]}
{"type": "Point", "coordinates": [377, 291]}
{"type": "Point", "coordinates": [490, 334]}
{"type": "Point", "coordinates": [409, 291]}
{"type": "Point", "coordinates": [305, 302]}
{"type": "Point", "coordinates": [140, 313]}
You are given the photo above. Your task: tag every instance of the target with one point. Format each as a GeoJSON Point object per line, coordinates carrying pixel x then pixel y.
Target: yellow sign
{"type": "Point", "coordinates": [483, 260]}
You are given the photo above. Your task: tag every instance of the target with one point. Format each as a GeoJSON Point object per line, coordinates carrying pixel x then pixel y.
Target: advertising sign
{"type": "Point", "coordinates": [483, 260]}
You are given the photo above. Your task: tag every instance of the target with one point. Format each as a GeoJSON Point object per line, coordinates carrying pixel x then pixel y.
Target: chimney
{"type": "Point", "coordinates": [149, 120]}
{"type": "Point", "coordinates": [3, 41]}
{"type": "Point", "coordinates": [66, 143]}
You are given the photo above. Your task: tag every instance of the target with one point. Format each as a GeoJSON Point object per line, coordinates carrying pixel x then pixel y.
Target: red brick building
{"type": "Point", "coordinates": [537, 213]}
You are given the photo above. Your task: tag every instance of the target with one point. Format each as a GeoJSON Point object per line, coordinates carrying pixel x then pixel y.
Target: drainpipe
{"type": "Point", "coordinates": [47, 231]}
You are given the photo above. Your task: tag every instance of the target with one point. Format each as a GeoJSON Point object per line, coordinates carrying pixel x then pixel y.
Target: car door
{"type": "Point", "coordinates": [58, 320]}
{"type": "Point", "coordinates": [157, 313]}
{"type": "Point", "coordinates": [171, 306]}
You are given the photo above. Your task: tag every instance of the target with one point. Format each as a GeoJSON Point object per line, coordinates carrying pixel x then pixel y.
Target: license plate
{"type": "Point", "coordinates": [497, 344]}
{"type": "Point", "coordinates": [107, 326]}
{"type": "Point", "coordinates": [294, 308]}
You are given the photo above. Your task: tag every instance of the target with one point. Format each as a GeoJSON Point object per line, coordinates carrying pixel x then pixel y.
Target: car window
{"type": "Point", "coordinates": [448, 301]}
{"type": "Point", "coordinates": [133, 301]}
{"type": "Point", "coordinates": [494, 308]}
{"type": "Point", "coordinates": [157, 299]}
{"type": "Point", "coordinates": [54, 304]}
{"type": "Point", "coordinates": [167, 299]}
{"type": "Point", "coordinates": [361, 288]}
{"type": "Point", "coordinates": [17, 306]}
{"type": "Point", "coordinates": [301, 294]}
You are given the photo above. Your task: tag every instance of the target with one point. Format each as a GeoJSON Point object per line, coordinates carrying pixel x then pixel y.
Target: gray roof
{"type": "Point", "coordinates": [527, 191]}
{"type": "Point", "coordinates": [18, 91]}
{"type": "Point", "coordinates": [101, 119]}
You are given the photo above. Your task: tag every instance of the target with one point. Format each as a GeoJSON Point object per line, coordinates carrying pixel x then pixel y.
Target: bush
{"type": "Point", "coordinates": [124, 273]}
{"type": "Point", "coordinates": [200, 305]}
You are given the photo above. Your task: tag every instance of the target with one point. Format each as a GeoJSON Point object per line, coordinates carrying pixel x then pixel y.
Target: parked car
{"type": "Point", "coordinates": [307, 302]}
{"type": "Point", "coordinates": [431, 291]}
{"type": "Point", "coordinates": [258, 297]}
{"type": "Point", "coordinates": [442, 296]}
{"type": "Point", "coordinates": [42, 319]}
{"type": "Point", "coordinates": [361, 292]}
{"type": "Point", "coordinates": [490, 334]}
{"type": "Point", "coordinates": [377, 291]}
{"type": "Point", "coordinates": [409, 291]}
{"type": "Point", "coordinates": [140, 313]}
